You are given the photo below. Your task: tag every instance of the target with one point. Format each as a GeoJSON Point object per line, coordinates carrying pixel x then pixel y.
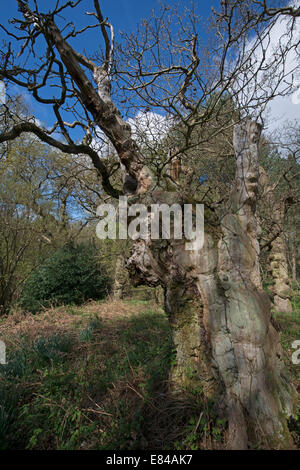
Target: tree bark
{"type": "Point", "coordinates": [220, 315]}
{"type": "Point", "coordinates": [279, 271]}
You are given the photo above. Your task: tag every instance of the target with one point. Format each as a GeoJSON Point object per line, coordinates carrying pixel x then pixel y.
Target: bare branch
{"type": "Point", "coordinates": [18, 129]}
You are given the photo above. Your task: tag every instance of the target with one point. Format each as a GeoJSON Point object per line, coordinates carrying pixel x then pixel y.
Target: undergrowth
{"type": "Point", "coordinates": [95, 377]}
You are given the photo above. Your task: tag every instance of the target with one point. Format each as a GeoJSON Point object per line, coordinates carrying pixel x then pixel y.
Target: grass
{"type": "Point", "coordinates": [81, 378]}
{"type": "Point", "coordinates": [94, 377]}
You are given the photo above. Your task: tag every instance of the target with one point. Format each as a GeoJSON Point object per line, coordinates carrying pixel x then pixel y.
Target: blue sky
{"type": "Point", "coordinates": [125, 15]}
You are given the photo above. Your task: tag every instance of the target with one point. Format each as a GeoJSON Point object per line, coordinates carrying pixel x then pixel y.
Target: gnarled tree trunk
{"type": "Point", "coordinates": [220, 315]}
{"type": "Point", "coordinates": [279, 271]}
{"type": "Point", "coordinates": [278, 263]}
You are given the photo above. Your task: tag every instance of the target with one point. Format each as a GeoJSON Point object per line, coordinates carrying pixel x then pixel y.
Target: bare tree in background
{"type": "Point", "coordinates": [218, 311]}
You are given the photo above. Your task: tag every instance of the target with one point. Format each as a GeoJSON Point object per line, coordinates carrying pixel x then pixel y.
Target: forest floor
{"type": "Point", "coordinates": [95, 377]}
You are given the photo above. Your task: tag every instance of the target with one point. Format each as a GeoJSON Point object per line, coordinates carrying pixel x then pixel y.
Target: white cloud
{"type": "Point", "coordinates": [283, 108]}
{"type": "Point", "coordinates": [149, 127]}
{"type": "Point", "coordinates": [2, 92]}
{"type": "Point", "coordinates": [270, 73]}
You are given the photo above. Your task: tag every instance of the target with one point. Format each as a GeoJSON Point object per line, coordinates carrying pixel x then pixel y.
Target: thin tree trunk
{"type": "Point", "coordinates": [121, 278]}
{"type": "Point", "coordinates": [294, 263]}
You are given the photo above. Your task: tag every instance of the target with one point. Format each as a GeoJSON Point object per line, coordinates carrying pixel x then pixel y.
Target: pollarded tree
{"type": "Point", "coordinates": [218, 311]}
{"type": "Point", "coordinates": [278, 197]}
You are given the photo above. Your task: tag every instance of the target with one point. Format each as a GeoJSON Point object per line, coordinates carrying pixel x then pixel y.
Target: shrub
{"type": "Point", "coordinates": [71, 276]}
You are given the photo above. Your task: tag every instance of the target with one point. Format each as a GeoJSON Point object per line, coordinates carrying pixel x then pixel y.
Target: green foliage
{"type": "Point", "coordinates": [16, 366]}
{"type": "Point", "coordinates": [101, 384]}
{"type": "Point", "coordinates": [23, 361]}
{"type": "Point", "coordinates": [8, 412]}
{"type": "Point", "coordinates": [71, 276]}
{"type": "Point", "coordinates": [28, 211]}
{"type": "Point", "coordinates": [62, 378]}
{"type": "Point", "coordinates": [290, 325]}
{"type": "Point", "coordinates": [23, 364]}
{"type": "Point", "coordinates": [86, 334]}
{"type": "Point", "coordinates": [53, 348]}
{"type": "Point", "coordinates": [43, 204]}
